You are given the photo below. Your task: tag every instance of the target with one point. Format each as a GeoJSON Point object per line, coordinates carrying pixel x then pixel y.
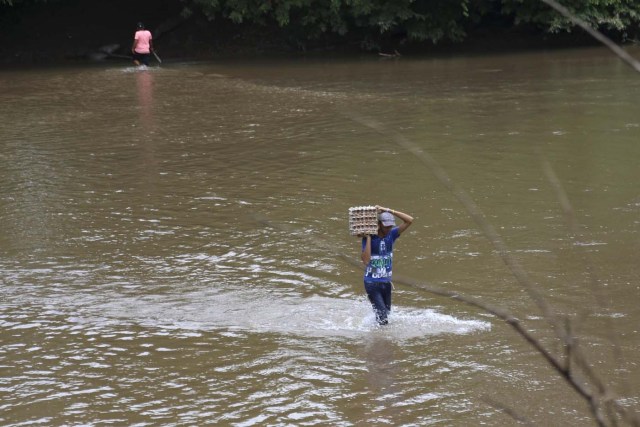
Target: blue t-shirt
{"type": "Point", "coordinates": [379, 268]}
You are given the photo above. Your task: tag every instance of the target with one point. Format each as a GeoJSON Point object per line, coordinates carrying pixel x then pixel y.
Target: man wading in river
{"type": "Point", "coordinates": [377, 255]}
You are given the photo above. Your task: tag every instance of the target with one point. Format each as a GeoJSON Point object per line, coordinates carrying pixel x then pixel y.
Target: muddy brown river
{"type": "Point", "coordinates": [172, 240]}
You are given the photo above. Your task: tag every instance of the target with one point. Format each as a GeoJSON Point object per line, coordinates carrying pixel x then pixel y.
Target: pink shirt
{"type": "Point", "coordinates": [143, 38]}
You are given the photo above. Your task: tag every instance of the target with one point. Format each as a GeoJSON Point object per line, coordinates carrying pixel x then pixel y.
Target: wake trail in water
{"type": "Point", "coordinates": [257, 311]}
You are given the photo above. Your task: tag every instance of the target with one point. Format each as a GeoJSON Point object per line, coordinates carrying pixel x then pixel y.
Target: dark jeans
{"type": "Point", "coordinates": [142, 58]}
{"type": "Point", "coordinates": [380, 296]}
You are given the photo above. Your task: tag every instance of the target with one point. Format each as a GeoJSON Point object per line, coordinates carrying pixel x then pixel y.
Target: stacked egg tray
{"type": "Point", "coordinates": [363, 220]}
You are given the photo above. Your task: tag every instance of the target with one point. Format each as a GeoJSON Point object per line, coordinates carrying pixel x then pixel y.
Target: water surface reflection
{"type": "Point", "coordinates": [138, 287]}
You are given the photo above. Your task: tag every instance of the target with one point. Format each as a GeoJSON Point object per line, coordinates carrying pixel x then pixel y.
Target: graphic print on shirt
{"type": "Point", "coordinates": [380, 265]}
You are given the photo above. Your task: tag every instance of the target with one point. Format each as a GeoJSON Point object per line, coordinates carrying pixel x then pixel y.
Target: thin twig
{"type": "Point", "coordinates": [572, 355]}
{"type": "Point", "coordinates": [470, 206]}
{"type": "Point", "coordinates": [621, 53]}
{"type": "Point", "coordinates": [595, 398]}
{"type": "Point", "coordinates": [507, 410]}
{"type": "Point", "coordinates": [499, 312]}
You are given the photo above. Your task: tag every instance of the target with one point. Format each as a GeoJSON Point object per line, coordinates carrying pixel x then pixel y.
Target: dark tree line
{"type": "Point", "coordinates": [412, 20]}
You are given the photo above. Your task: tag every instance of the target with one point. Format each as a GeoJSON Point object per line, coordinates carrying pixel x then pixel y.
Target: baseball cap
{"type": "Point", "coordinates": [387, 219]}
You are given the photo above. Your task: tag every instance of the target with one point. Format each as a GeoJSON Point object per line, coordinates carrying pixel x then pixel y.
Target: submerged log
{"type": "Point", "coordinates": [395, 54]}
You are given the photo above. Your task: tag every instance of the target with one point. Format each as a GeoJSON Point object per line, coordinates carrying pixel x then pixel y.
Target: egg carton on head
{"type": "Point", "coordinates": [363, 220]}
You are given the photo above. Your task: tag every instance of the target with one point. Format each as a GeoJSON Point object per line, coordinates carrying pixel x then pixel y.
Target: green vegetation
{"type": "Point", "coordinates": [619, 16]}
{"type": "Point", "coordinates": [371, 21]}
{"type": "Point", "coordinates": [417, 20]}
{"type": "Point", "coordinates": [365, 19]}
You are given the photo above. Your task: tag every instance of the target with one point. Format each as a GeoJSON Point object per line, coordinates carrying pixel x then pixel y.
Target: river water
{"type": "Point", "coordinates": [172, 240]}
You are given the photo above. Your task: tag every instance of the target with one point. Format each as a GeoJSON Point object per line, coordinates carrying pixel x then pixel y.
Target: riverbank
{"type": "Point", "coordinates": [56, 33]}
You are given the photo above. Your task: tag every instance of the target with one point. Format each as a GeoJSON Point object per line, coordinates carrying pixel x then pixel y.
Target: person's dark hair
{"type": "Point", "coordinates": [140, 26]}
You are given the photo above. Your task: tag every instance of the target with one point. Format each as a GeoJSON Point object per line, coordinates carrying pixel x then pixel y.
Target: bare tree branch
{"type": "Point", "coordinates": [470, 206]}
{"type": "Point", "coordinates": [577, 357]}
{"type": "Point", "coordinates": [621, 53]}
{"type": "Point", "coordinates": [597, 395]}
{"type": "Point", "coordinates": [501, 313]}
{"type": "Point", "coordinates": [507, 410]}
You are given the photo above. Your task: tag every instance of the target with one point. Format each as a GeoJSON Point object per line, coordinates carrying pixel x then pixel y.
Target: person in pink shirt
{"type": "Point", "coordinates": [142, 45]}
